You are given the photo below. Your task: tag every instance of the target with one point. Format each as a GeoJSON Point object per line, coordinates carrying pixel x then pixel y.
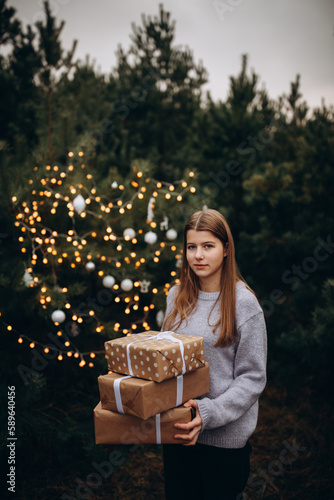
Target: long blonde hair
{"type": "Point", "coordinates": [186, 297]}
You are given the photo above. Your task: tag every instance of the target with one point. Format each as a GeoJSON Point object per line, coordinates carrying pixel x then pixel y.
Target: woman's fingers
{"type": "Point", "coordinates": [191, 437]}
{"type": "Point", "coordinates": [197, 421]}
{"type": "Point", "coordinates": [193, 427]}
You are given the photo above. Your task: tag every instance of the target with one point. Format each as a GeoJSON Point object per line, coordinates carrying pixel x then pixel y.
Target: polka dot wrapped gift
{"type": "Point", "coordinates": [155, 356]}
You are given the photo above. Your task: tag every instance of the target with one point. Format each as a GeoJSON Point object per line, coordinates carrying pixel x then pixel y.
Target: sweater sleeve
{"type": "Point", "coordinates": [249, 377]}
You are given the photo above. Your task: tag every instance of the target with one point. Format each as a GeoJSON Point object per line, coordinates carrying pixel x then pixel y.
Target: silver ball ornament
{"type": "Point", "coordinates": [108, 281]}
{"type": "Point", "coordinates": [150, 237]}
{"type": "Point", "coordinates": [129, 233]}
{"type": "Point", "coordinates": [160, 317]}
{"type": "Point", "coordinates": [171, 234]}
{"type": "Point", "coordinates": [58, 316]}
{"type": "Point", "coordinates": [126, 285]}
{"type": "Point", "coordinates": [90, 266]}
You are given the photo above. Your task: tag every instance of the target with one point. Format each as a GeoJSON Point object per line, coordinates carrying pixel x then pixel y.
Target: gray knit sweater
{"type": "Point", "coordinates": [237, 373]}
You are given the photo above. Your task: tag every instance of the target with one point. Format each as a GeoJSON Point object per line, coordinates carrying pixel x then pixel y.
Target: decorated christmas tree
{"type": "Point", "coordinates": [99, 255]}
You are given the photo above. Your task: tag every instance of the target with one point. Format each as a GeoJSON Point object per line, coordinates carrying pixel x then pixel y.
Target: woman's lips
{"type": "Point", "coordinates": [200, 266]}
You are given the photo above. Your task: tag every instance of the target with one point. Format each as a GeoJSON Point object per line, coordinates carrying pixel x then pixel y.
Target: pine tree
{"type": "Point", "coordinates": [54, 62]}
{"type": "Point", "coordinates": [158, 90]}
{"type": "Point", "coordinates": [9, 27]}
{"type": "Point", "coordinates": [18, 110]}
{"type": "Point", "coordinates": [290, 225]}
{"type": "Point", "coordinates": [230, 147]}
{"type": "Point", "coordinates": [80, 122]}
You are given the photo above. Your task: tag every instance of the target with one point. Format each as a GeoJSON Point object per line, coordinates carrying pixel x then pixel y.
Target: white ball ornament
{"type": "Point", "coordinates": [150, 237]}
{"type": "Point", "coordinates": [160, 317]}
{"type": "Point", "coordinates": [114, 185]}
{"type": "Point", "coordinates": [108, 281]}
{"type": "Point", "coordinates": [79, 203]}
{"type": "Point", "coordinates": [126, 285]}
{"type": "Point", "coordinates": [171, 234]}
{"type": "Point", "coordinates": [58, 316]}
{"type": "Point", "coordinates": [129, 233]}
{"type": "Point", "coordinates": [90, 266]}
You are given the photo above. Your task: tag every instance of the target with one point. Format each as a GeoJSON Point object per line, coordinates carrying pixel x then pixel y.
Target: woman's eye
{"type": "Point", "coordinates": [208, 246]}
{"type": "Point", "coordinates": [191, 247]}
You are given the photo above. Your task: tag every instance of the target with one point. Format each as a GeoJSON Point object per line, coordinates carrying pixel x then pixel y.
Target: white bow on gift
{"type": "Point", "coordinates": [159, 336]}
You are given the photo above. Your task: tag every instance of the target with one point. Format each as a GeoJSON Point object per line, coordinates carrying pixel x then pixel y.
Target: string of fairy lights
{"type": "Point", "coordinates": [64, 185]}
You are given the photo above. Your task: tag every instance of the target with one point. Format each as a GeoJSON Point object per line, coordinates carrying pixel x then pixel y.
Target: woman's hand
{"type": "Point", "coordinates": [194, 426]}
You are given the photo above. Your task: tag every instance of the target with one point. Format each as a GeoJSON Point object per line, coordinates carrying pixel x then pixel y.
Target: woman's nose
{"type": "Point", "coordinates": [199, 253]}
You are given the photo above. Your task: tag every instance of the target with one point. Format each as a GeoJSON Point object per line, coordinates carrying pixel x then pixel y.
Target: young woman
{"type": "Point", "coordinates": [214, 302]}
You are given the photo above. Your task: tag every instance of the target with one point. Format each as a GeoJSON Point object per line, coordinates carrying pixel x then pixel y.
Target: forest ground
{"type": "Point", "coordinates": [292, 458]}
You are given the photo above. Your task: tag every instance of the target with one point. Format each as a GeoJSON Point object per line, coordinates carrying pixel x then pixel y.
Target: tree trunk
{"type": "Point", "coordinates": [49, 124]}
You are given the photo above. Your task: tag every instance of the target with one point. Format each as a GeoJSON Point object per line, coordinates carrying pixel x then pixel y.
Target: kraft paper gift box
{"type": "Point", "coordinates": [145, 398]}
{"type": "Point", "coordinates": [116, 428]}
{"type": "Point", "coordinates": [155, 356]}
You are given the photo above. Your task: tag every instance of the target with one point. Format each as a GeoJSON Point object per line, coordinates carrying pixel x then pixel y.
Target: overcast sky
{"type": "Point", "coordinates": [281, 37]}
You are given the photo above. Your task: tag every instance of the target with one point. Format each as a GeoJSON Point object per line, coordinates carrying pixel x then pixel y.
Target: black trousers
{"type": "Point", "coordinates": [204, 472]}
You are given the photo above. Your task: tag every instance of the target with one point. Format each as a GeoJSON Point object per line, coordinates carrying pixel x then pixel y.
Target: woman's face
{"type": "Point", "coordinates": [205, 256]}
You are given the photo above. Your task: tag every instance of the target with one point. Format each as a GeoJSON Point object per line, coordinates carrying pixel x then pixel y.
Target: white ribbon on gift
{"type": "Point", "coordinates": [159, 336]}
{"type": "Point", "coordinates": [179, 390]}
{"type": "Point", "coordinates": [158, 428]}
{"type": "Point", "coordinates": [120, 407]}
{"type": "Point", "coordinates": [117, 392]}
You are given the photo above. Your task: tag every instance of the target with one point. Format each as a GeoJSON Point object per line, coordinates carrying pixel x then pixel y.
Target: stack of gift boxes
{"type": "Point", "coordinates": [151, 375]}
